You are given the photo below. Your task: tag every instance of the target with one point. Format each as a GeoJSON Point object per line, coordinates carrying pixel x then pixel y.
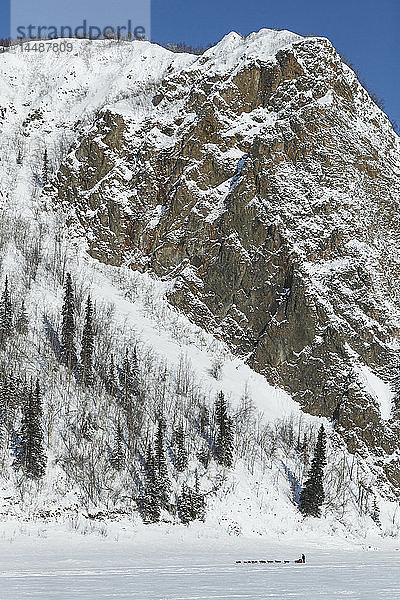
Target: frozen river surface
{"type": "Point", "coordinates": [170, 569]}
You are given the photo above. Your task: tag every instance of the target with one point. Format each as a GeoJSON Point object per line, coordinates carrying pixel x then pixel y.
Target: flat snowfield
{"type": "Point", "coordinates": [181, 567]}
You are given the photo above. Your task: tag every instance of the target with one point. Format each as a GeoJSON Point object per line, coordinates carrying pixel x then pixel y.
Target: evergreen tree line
{"type": "Point", "coordinates": [140, 436]}
{"type": "Point", "coordinates": [190, 503]}
{"type": "Point", "coordinates": [122, 384]}
{"type": "Point", "coordinates": [155, 496]}
{"type": "Point", "coordinates": [13, 318]}
{"type": "Point", "coordinates": [21, 421]}
{"type": "Point", "coordinates": [68, 353]}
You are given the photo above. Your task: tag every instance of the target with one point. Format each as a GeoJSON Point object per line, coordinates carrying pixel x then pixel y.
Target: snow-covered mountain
{"type": "Point", "coordinates": [235, 217]}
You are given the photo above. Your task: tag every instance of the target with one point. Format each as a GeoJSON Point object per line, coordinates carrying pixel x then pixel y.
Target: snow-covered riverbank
{"type": "Point", "coordinates": [157, 563]}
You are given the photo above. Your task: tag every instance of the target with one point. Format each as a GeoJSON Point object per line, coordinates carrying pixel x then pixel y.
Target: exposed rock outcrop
{"type": "Point", "coordinates": [264, 184]}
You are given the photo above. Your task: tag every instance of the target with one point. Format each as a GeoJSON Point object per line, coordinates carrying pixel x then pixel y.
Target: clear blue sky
{"type": "Point", "coordinates": [365, 31]}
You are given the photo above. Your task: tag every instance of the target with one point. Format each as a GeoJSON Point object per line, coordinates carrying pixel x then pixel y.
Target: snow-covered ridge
{"type": "Point", "coordinates": [234, 50]}
{"type": "Point", "coordinates": [59, 93]}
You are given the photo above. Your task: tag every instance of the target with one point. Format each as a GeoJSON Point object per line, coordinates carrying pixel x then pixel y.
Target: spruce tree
{"type": "Point", "coordinates": [68, 352]}
{"type": "Point", "coordinates": [87, 346]}
{"type": "Point", "coordinates": [112, 383]}
{"type": "Point", "coordinates": [45, 168]}
{"type": "Point", "coordinates": [376, 512]}
{"type": "Point", "coordinates": [181, 457]}
{"type": "Point", "coordinates": [118, 456]}
{"type": "Point", "coordinates": [31, 456]}
{"type": "Point", "coordinates": [8, 402]}
{"type": "Point", "coordinates": [130, 398]}
{"type": "Point", "coordinates": [312, 495]}
{"type": "Point", "coordinates": [224, 437]}
{"type": "Point", "coordinates": [204, 453]}
{"type": "Point", "coordinates": [191, 503]}
{"type": "Point", "coordinates": [150, 503]}
{"type": "Point", "coordinates": [129, 379]}
{"type": "Point", "coordinates": [185, 505]}
{"type": "Point", "coordinates": [22, 320]}
{"type": "Point", "coordinates": [161, 464]}
{"type": "Point", "coordinates": [5, 313]}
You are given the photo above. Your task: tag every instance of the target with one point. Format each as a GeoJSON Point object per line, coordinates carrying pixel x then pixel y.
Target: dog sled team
{"type": "Point", "coordinates": [301, 560]}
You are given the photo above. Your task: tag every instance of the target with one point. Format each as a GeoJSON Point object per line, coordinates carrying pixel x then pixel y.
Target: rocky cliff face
{"type": "Point", "coordinates": [263, 183]}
